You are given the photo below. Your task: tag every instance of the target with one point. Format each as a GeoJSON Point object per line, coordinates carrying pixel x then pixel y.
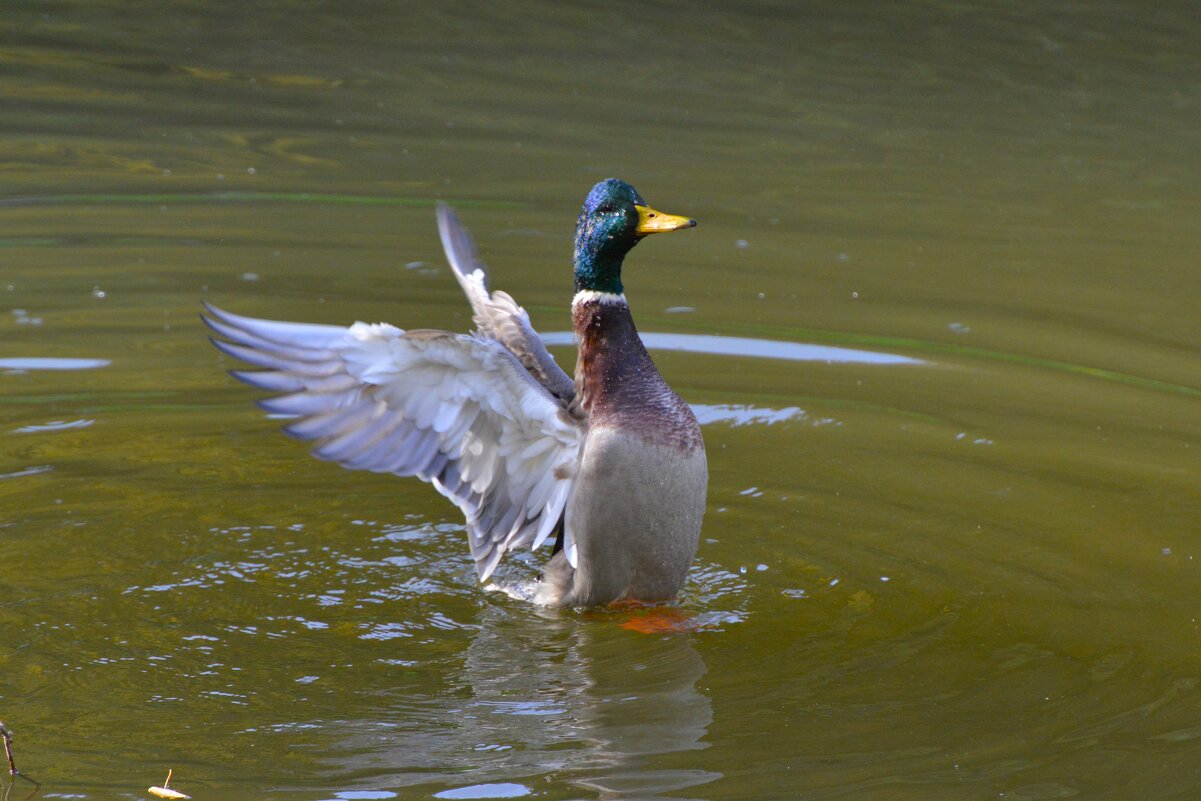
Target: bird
{"type": "Point", "coordinates": [610, 463]}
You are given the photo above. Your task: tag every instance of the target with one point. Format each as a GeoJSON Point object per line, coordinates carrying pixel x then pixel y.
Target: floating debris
{"type": "Point", "coordinates": [8, 748]}
{"type": "Point", "coordinates": [7, 735]}
{"type": "Point", "coordinates": [165, 791]}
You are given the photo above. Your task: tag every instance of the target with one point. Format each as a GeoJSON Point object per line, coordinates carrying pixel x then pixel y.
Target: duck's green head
{"type": "Point", "coordinates": [613, 220]}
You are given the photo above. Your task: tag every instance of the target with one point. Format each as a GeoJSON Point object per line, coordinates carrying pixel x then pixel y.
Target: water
{"type": "Point", "coordinates": [961, 566]}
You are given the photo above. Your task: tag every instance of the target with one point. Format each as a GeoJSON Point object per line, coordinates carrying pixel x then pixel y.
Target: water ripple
{"type": "Point", "coordinates": [755, 348]}
{"type": "Point", "coordinates": [46, 363]}
{"type": "Point", "coordinates": [28, 471]}
{"type": "Point", "coordinates": [54, 425]}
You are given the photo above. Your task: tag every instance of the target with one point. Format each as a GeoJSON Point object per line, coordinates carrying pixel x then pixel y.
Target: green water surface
{"type": "Point", "coordinates": [971, 576]}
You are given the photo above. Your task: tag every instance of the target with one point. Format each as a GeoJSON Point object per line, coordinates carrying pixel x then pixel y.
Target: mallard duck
{"type": "Point", "coordinates": [612, 464]}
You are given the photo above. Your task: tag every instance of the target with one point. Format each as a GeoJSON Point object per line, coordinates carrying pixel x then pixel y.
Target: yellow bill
{"type": "Point", "coordinates": [656, 222]}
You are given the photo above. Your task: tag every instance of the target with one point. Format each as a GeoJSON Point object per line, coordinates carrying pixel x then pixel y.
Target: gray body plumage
{"type": "Point", "coordinates": [635, 517]}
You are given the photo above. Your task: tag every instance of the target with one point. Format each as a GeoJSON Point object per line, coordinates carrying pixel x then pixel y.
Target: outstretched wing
{"type": "Point", "coordinates": [496, 315]}
{"type": "Point", "coordinates": [456, 410]}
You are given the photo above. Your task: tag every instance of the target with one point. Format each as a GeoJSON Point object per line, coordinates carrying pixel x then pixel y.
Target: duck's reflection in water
{"type": "Point", "coordinates": [587, 702]}
{"type": "Point", "coordinates": [538, 702]}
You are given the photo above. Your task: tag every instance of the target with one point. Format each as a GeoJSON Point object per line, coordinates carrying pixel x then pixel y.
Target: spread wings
{"type": "Point", "coordinates": [460, 411]}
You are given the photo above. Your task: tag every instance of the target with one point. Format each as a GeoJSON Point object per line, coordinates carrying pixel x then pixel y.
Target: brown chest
{"type": "Point", "coordinates": [617, 384]}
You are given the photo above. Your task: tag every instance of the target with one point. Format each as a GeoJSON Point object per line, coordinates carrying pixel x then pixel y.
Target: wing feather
{"type": "Point", "coordinates": [460, 411]}
{"type": "Point", "coordinates": [496, 315]}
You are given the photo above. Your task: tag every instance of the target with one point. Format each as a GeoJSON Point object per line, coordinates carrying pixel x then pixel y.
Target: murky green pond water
{"type": "Point", "coordinates": [973, 574]}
